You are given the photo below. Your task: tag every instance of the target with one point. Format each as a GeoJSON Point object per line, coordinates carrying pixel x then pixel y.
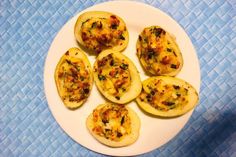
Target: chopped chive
{"type": "Point", "coordinates": [122, 37]}
{"type": "Point", "coordinates": [101, 77]}
{"type": "Point", "coordinates": [122, 120]}
{"type": "Point", "coordinates": [176, 87]}
{"type": "Point", "coordinates": [124, 66]}
{"type": "Point", "coordinates": [178, 95]}
{"type": "Point", "coordinates": [168, 103]}
{"type": "Point", "coordinates": [114, 26]}
{"type": "Point", "coordinates": [117, 97]}
{"type": "Point", "coordinates": [94, 24]}
{"type": "Point", "coordinates": [169, 50]}
{"type": "Point", "coordinates": [173, 66]}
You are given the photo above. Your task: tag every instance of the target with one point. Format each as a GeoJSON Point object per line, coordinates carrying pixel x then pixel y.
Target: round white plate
{"type": "Point", "coordinates": [154, 132]}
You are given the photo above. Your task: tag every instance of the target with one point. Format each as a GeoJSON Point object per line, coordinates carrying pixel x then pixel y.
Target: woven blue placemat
{"type": "Point", "coordinates": [27, 29]}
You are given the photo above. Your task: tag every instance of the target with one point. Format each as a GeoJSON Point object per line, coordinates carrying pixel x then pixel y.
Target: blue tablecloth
{"type": "Point", "coordinates": [27, 28]}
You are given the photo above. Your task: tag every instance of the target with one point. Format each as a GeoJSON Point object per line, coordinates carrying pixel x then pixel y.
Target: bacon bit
{"type": "Point", "coordinates": [165, 60]}
{"type": "Point", "coordinates": [112, 73]}
{"type": "Point", "coordinates": [67, 53]}
{"type": "Point", "coordinates": [158, 49]}
{"type": "Point", "coordinates": [70, 79]}
{"type": "Point", "coordinates": [177, 65]}
{"type": "Point", "coordinates": [84, 36]}
{"type": "Point", "coordinates": [97, 129]}
{"type": "Point", "coordinates": [85, 84]}
{"type": "Point", "coordinates": [119, 83]}
{"type": "Point", "coordinates": [121, 71]}
{"type": "Point", "coordinates": [102, 62]}
{"type": "Point", "coordinates": [74, 73]}
{"type": "Point", "coordinates": [99, 25]}
{"type": "Point", "coordinates": [69, 90]}
{"type": "Point", "coordinates": [98, 49]}
{"type": "Point", "coordinates": [120, 32]}
{"type": "Point", "coordinates": [168, 103]}
{"type": "Point", "coordinates": [95, 115]}
{"type": "Point", "coordinates": [158, 32]}
{"type": "Point", "coordinates": [117, 97]}
{"type": "Point", "coordinates": [114, 21]}
{"type": "Point", "coordinates": [99, 71]}
{"type": "Point", "coordinates": [174, 53]}
{"type": "Point", "coordinates": [139, 38]}
{"type": "Point", "coordinates": [80, 85]}
{"type": "Point", "coordinates": [60, 74]}
{"type": "Point", "coordinates": [103, 38]}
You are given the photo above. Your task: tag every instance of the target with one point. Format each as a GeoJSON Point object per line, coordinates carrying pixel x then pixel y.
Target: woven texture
{"type": "Point", "coordinates": [27, 29]}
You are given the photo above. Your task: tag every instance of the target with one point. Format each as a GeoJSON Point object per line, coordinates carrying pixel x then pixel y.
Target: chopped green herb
{"type": "Point", "coordinates": [124, 66]}
{"type": "Point", "coordinates": [174, 53]}
{"type": "Point", "coordinates": [153, 92]}
{"type": "Point", "coordinates": [122, 37]}
{"type": "Point", "coordinates": [145, 40]}
{"type": "Point", "coordinates": [122, 120]}
{"type": "Point", "coordinates": [186, 90]}
{"type": "Point", "coordinates": [107, 131]}
{"type": "Point", "coordinates": [112, 62]}
{"type": "Point", "coordinates": [139, 38]}
{"type": "Point", "coordinates": [173, 66]}
{"type": "Point", "coordinates": [119, 134]}
{"type": "Point", "coordinates": [158, 31]}
{"type": "Point", "coordinates": [117, 97]}
{"type": "Point", "coordinates": [178, 95]}
{"type": "Point", "coordinates": [101, 77]}
{"type": "Point", "coordinates": [150, 54]}
{"type": "Point", "coordinates": [167, 103]}
{"type": "Point", "coordinates": [105, 121]}
{"type": "Point", "coordinates": [85, 22]}
{"type": "Point", "coordinates": [148, 96]}
{"type": "Point", "coordinates": [81, 78]}
{"type": "Point", "coordinates": [69, 62]}
{"type": "Point", "coordinates": [86, 90]}
{"type": "Point", "coordinates": [94, 24]}
{"type": "Point", "coordinates": [169, 50]}
{"type": "Point", "coordinates": [176, 87]}
{"type": "Point", "coordinates": [114, 26]}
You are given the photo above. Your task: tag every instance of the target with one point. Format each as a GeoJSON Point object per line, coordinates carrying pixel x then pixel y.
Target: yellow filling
{"type": "Point", "coordinates": [114, 75]}
{"type": "Point", "coordinates": [74, 80]}
{"type": "Point", "coordinates": [164, 96]}
{"type": "Point", "coordinates": [112, 122]}
{"type": "Point", "coordinates": [101, 33]}
{"type": "Point", "coordinates": [156, 53]}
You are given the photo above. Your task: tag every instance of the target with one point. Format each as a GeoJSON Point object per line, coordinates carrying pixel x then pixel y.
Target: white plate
{"type": "Point", "coordinates": [154, 132]}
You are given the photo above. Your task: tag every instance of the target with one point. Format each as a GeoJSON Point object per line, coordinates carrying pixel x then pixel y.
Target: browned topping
{"type": "Point", "coordinates": [158, 31]}
{"type": "Point", "coordinates": [102, 33]}
{"type": "Point", "coordinates": [75, 80]}
{"type": "Point", "coordinates": [170, 97]}
{"type": "Point", "coordinates": [155, 54]}
{"type": "Point", "coordinates": [139, 38]}
{"type": "Point", "coordinates": [84, 36]}
{"type": "Point", "coordinates": [114, 21]}
{"type": "Point", "coordinates": [119, 83]}
{"type": "Point", "coordinates": [111, 122]}
{"type": "Point", "coordinates": [116, 73]}
{"type": "Point", "coordinates": [166, 60]}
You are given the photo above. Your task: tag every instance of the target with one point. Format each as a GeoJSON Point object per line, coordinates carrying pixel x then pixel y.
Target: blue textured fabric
{"type": "Point", "coordinates": [27, 29]}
